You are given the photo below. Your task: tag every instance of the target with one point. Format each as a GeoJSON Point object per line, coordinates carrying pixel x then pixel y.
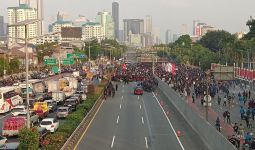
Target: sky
{"type": "Point", "coordinates": [229, 15]}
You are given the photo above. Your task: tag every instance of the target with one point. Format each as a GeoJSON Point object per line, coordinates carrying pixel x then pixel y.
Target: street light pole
{"type": "Point", "coordinates": [89, 51]}
{"type": "Point", "coordinates": [27, 65]}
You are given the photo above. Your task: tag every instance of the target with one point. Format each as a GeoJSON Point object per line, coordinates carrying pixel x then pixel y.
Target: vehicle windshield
{"type": "Point", "coordinates": [46, 123]}
{"type": "Point", "coordinates": [62, 110]}
{"type": "Point", "coordinates": [17, 109]}
{"type": "Point", "coordinates": [22, 115]}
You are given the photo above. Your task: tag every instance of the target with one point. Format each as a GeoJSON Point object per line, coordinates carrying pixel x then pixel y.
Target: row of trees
{"type": "Point", "coordinates": [12, 66]}
{"type": "Point", "coordinates": [214, 47]}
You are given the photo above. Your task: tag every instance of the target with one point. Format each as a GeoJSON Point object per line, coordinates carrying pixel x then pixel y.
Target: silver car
{"type": "Point", "coordinates": [62, 112]}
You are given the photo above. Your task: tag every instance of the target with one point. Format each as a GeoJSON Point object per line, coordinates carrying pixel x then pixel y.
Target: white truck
{"type": "Point", "coordinates": [58, 96]}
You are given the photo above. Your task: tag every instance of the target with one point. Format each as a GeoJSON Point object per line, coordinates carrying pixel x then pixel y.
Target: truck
{"type": "Point", "coordinates": [12, 126]}
{"type": "Point", "coordinates": [41, 109]}
{"type": "Point", "coordinates": [58, 96]}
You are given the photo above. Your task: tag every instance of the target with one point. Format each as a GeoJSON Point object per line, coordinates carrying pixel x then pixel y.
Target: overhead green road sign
{"type": "Point", "coordinates": [75, 55]}
{"type": "Point", "coordinates": [50, 61]}
{"type": "Point", "coordinates": [55, 69]}
{"type": "Point", "coordinates": [67, 61]}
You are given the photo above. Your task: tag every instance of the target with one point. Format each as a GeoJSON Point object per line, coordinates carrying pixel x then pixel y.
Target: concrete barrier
{"type": "Point", "coordinates": [210, 136]}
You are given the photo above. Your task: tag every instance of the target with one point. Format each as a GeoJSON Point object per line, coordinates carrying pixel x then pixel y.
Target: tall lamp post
{"type": "Point", "coordinates": [26, 39]}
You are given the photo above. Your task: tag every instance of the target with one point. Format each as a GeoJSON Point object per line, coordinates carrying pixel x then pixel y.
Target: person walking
{"type": "Point", "coordinates": [193, 98]}
{"type": "Point", "coordinates": [225, 101]}
{"type": "Point", "coordinates": [217, 124]}
{"type": "Point", "coordinates": [228, 117]}
{"type": "Point", "coordinates": [116, 87]}
{"type": "Point", "coordinates": [219, 100]}
{"type": "Point", "coordinates": [235, 128]}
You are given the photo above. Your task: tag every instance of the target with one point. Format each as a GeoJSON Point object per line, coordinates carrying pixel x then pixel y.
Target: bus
{"type": "Point", "coordinates": [9, 98]}
{"type": "Point", "coordinates": [35, 87]}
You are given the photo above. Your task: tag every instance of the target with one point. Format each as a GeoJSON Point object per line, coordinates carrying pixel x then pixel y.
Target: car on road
{"type": "Point", "coordinates": [19, 109]}
{"type": "Point", "coordinates": [63, 112]}
{"type": "Point", "coordinates": [138, 91]}
{"type": "Point", "coordinates": [83, 95]}
{"type": "Point", "coordinates": [52, 105]}
{"type": "Point", "coordinates": [72, 103]}
{"type": "Point", "coordinates": [50, 124]}
{"type": "Point", "coordinates": [77, 97]}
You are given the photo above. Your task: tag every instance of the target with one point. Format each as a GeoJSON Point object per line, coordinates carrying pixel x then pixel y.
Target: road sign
{"type": "Point", "coordinates": [67, 61]}
{"type": "Point", "coordinates": [69, 55]}
{"type": "Point", "coordinates": [50, 61]}
{"type": "Point", "coordinates": [75, 55]}
{"type": "Point", "coordinates": [55, 69]}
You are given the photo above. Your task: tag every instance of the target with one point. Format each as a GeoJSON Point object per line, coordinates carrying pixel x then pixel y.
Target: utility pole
{"type": "Point", "coordinates": [27, 65]}
{"type": "Point", "coordinates": [153, 64]}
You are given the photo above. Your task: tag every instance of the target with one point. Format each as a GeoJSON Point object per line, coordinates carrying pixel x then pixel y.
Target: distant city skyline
{"type": "Point", "coordinates": [166, 14]}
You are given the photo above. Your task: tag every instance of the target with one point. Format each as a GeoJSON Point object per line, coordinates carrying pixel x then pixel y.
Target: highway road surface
{"type": "Point", "coordinates": [128, 121]}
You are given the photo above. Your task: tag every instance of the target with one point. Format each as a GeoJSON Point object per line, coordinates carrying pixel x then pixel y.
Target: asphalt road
{"type": "Point", "coordinates": [135, 122]}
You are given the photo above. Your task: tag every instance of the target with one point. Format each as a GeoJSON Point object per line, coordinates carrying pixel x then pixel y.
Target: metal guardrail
{"type": "Point", "coordinates": [76, 135]}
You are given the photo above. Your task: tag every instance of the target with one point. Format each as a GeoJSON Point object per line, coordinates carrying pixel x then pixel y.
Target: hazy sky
{"type": "Point", "coordinates": [230, 15]}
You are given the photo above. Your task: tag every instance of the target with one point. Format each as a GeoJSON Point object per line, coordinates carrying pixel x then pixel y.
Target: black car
{"type": "Point", "coordinates": [72, 103]}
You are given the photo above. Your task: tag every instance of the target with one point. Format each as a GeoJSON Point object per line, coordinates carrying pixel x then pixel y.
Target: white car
{"type": "Point", "coordinates": [20, 109]}
{"type": "Point", "coordinates": [50, 124]}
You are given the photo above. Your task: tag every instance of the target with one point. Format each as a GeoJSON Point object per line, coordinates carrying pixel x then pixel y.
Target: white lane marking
{"type": "Point", "coordinates": [120, 106]}
{"type": "Point", "coordinates": [113, 138]}
{"type": "Point", "coordinates": [118, 118]}
{"type": "Point", "coordinates": [122, 97]}
{"type": "Point", "coordinates": [138, 97]}
{"type": "Point", "coordinates": [169, 122]}
{"type": "Point", "coordinates": [140, 106]}
{"type": "Point", "coordinates": [146, 142]}
{"type": "Point", "coordinates": [142, 121]}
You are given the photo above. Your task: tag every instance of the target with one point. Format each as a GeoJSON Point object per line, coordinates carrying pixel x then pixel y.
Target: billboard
{"type": "Point", "coordinates": [222, 73]}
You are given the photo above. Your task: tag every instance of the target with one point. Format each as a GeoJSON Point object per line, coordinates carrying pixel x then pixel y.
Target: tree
{"type": "Point", "coordinates": [29, 139]}
{"type": "Point", "coordinates": [94, 47]}
{"type": "Point", "coordinates": [183, 41]}
{"type": "Point", "coordinates": [14, 65]}
{"type": "Point", "coordinates": [216, 40]}
{"type": "Point", "coordinates": [251, 34]}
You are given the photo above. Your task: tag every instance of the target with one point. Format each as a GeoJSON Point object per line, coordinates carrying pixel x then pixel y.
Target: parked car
{"type": "Point", "coordinates": [77, 97]}
{"type": "Point", "coordinates": [72, 103]}
{"type": "Point", "coordinates": [52, 105]}
{"type": "Point", "coordinates": [50, 124]}
{"type": "Point", "coordinates": [18, 110]}
{"type": "Point", "coordinates": [63, 112]}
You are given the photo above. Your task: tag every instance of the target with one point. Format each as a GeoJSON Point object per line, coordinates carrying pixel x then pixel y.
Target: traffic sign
{"type": "Point", "coordinates": [50, 61]}
{"type": "Point", "coordinates": [55, 69]}
{"type": "Point", "coordinates": [67, 61]}
{"type": "Point", "coordinates": [75, 55]}
{"type": "Point", "coordinates": [69, 55]}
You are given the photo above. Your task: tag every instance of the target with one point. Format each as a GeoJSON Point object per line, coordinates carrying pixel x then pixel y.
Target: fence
{"type": "Point", "coordinates": [210, 136]}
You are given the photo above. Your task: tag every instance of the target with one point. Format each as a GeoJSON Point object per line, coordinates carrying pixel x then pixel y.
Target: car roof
{"type": "Point", "coordinates": [48, 101]}
{"type": "Point", "coordinates": [70, 99]}
{"type": "Point", "coordinates": [48, 119]}
{"type": "Point", "coordinates": [20, 106]}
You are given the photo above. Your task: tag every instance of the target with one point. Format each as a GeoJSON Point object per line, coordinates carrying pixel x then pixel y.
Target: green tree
{"type": "Point", "coordinates": [217, 40]}
{"type": "Point", "coordinates": [251, 34]}
{"type": "Point", "coordinates": [14, 65]}
{"type": "Point", "coordinates": [29, 139]}
{"type": "Point", "coordinates": [183, 41]}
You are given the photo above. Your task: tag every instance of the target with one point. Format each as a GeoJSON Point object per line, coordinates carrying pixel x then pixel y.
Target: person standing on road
{"type": "Point", "coordinates": [116, 87]}
{"type": "Point", "coordinates": [219, 100]}
{"type": "Point", "coordinates": [225, 101]}
{"type": "Point", "coordinates": [235, 128]}
{"type": "Point", "coordinates": [217, 124]}
{"type": "Point", "coordinates": [193, 98]}
{"type": "Point", "coordinates": [228, 117]}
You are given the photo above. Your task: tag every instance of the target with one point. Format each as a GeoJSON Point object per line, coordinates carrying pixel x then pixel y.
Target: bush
{"type": "Point", "coordinates": [54, 141]}
{"type": "Point", "coordinates": [29, 139]}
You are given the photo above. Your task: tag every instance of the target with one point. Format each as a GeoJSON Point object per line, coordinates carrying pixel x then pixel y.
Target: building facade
{"type": "Point", "coordinates": [134, 26]}
{"type": "Point", "coordinates": [18, 14]}
{"type": "Point", "coordinates": [92, 30]}
{"type": "Point", "coordinates": [206, 29]}
{"type": "Point", "coordinates": [106, 20]}
{"type": "Point", "coordinates": [169, 36]}
{"type": "Point", "coordinates": [56, 26]}
{"type": "Point", "coordinates": [2, 31]}
{"type": "Point", "coordinates": [49, 38]}
{"type": "Point", "coordinates": [115, 15]}
{"type": "Point", "coordinates": [148, 24]}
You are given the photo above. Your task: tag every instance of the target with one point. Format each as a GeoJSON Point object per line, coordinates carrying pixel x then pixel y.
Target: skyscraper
{"type": "Point", "coordinates": [2, 32]}
{"type": "Point", "coordinates": [115, 15]}
{"type": "Point", "coordinates": [184, 29]}
{"type": "Point", "coordinates": [169, 36]}
{"type": "Point", "coordinates": [21, 13]}
{"type": "Point", "coordinates": [133, 26]}
{"type": "Point", "coordinates": [156, 35]}
{"type": "Point", "coordinates": [106, 20]}
{"type": "Point", "coordinates": [195, 23]}
{"type": "Point", "coordinates": [148, 24]}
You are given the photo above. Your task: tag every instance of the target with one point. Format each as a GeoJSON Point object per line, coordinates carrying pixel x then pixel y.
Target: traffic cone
{"type": "Point", "coordinates": [179, 133]}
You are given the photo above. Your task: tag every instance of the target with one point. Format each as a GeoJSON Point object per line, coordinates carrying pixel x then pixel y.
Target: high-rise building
{"type": "Point", "coordinates": [148, 24]}
{"type": "Point", "coordinates": [121, 36]}
{"type": "Point", "coordinates": [195, 23]}
{"type": "Point", "coordinates": [18, 14]}
{"type": "Point", "coordinates": [199, 29]}
{"type": "Point", "coordinates": [2, 32]}
{"type": "Point", "coordinates": [115, 15]}
{"type": "Point", "coordinates": [205, 29]}
{"type": "Point", "coordinates": [106, 20]}
{"type": "Point", "coordinates": [168, 36]}
{"type": "Point", "coordinates": [92, 30]}
{"type": "Point", "coordinates": [184, 29]}
{"type": "Point", "coordinates": [156, 35]}
{"type": "Point", "coordinates": [61, 22]}
{"type": "Point", "coordinates": [134, 26]}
